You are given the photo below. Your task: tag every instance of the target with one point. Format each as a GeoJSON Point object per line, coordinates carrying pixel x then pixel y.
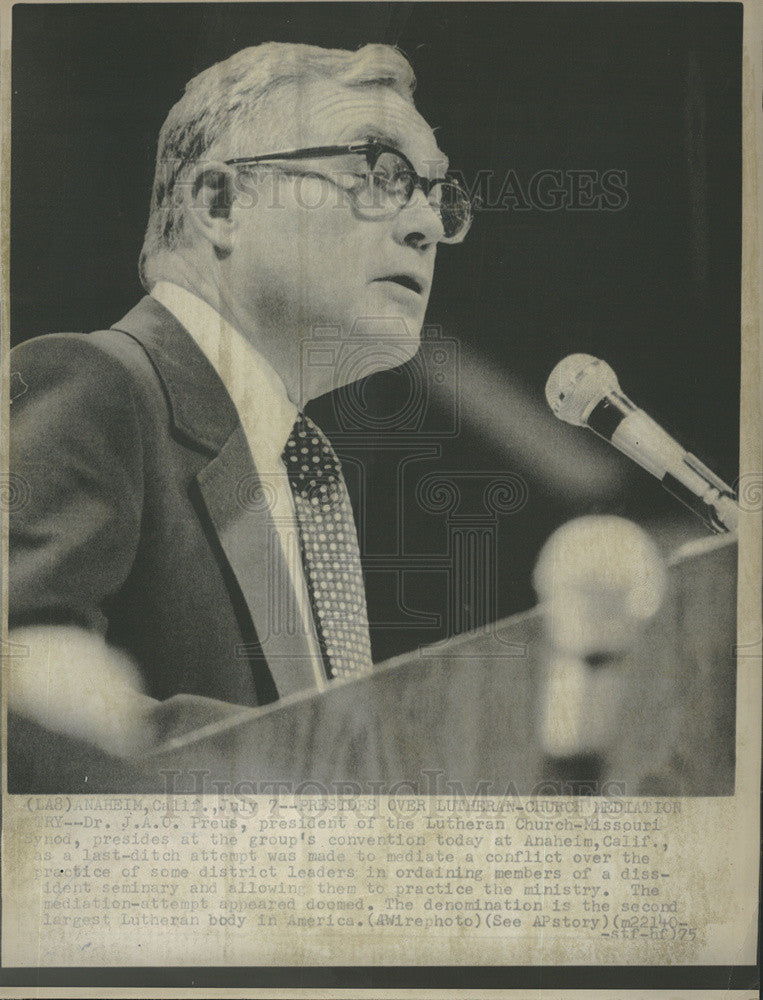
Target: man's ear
{"type": "Point", "coordinates": [211, 194]}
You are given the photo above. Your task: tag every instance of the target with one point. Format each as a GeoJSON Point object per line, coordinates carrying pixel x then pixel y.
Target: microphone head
{"type": "Point", "coordinates": [576, 385]}
{"type": "Point", "coordinates": [600, 580]}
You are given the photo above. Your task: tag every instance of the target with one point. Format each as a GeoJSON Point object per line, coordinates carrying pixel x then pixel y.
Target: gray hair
{"type": "Point", "coordinates": [226, 102]}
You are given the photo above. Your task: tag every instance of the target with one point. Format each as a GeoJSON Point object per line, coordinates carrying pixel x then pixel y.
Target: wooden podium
{"type": "Point", "coordinates": [459, 717]}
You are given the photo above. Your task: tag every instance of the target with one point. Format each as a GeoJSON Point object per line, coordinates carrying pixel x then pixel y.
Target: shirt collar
{"type": "Point", "coordinates": [257, 391]}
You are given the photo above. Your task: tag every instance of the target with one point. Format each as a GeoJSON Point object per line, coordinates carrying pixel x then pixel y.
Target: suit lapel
{"type": "Point", "coordinates": [235, 500]}
{"type": "Point", "coordinates": [238, 507]}
{"type": "Point", "coordinates": [200, 408]}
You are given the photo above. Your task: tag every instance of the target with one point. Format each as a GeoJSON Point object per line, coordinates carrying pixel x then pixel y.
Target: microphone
{"type": "Point", "coordinates": [584, 391]}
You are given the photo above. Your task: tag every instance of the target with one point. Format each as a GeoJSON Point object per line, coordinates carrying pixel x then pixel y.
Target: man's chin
{"type": "Point", "coordinates": [378, 343]}
{"type": "Point", "coordinates": [368, 359]}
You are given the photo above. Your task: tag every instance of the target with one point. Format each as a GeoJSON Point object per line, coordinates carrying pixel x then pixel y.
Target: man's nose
{"type": "Point", "coordinates": [418, 224]}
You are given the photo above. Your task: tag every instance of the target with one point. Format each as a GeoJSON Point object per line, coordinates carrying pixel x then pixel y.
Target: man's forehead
{"type": "Point", "coordinates": [332, 113]}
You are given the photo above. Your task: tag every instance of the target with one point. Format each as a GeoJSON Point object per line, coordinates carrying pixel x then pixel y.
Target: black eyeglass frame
{"type": "Point", "coordinates": [372, 151]}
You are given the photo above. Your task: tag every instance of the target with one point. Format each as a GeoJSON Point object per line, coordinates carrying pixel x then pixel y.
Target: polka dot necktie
{"type": "Point", "coordinates": [330, 552]}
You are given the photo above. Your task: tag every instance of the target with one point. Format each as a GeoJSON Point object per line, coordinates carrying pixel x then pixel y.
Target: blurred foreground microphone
{"type": "Point", "coordinates": [600, 581]}
{"type": "Point", "coordinates": [583, 390]}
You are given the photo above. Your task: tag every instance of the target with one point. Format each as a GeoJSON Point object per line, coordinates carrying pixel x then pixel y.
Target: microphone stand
{"type": "Point", "coordinates": [717, 507]}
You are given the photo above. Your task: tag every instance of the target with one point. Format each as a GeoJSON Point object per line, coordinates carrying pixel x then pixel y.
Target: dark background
{"type": "Point", "coordinates": [650, 89]}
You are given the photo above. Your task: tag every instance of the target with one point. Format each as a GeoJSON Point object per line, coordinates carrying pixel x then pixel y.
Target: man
{"type": "Point", "coordinates": [188, 548]}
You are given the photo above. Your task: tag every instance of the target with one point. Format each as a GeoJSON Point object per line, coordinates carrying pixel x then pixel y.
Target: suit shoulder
{"type": "Point", "coordinates": [102, 349]}
{"type": "Point", "coordinates": [102, 360]}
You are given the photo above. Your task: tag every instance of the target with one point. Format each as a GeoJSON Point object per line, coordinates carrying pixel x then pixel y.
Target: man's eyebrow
{"type": "Point", "coordinates": [370, 134]}
{"type": "Point", "coordinates": [376, 135]}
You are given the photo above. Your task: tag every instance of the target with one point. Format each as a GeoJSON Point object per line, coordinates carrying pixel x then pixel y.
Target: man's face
{"type": "Point", "coordinates": [305, 260]}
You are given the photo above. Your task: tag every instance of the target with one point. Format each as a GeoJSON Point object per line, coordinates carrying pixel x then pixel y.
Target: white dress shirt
{"type": "Point", "coordinates": [267, 416]}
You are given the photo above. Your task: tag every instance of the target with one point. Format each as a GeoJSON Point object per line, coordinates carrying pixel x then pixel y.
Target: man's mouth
{"type": "Point", "coordinates": [406, 280]}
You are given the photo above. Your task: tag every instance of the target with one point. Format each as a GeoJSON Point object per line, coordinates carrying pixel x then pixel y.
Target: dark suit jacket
{"type": "Point", "coordinates": [139, 514]}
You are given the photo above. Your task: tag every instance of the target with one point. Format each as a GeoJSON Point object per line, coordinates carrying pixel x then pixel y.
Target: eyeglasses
{"type": "Point", "coordinates": [381, 182]}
